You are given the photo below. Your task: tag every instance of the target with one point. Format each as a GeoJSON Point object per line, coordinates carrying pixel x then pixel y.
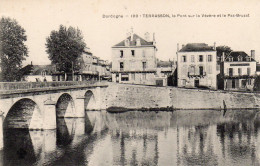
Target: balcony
{"type": "Point", "coordinates": [239, 76]}
{"type": "Point", "coordinates": [200, 75]}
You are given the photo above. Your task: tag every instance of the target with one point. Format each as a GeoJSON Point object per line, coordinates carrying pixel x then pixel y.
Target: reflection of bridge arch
{"type": "Point", "coordinates": [24, 113]}
{"type": "Point", "coordinates": [65, 106]}
{"type": "Point", "coordinates": [89, 101]}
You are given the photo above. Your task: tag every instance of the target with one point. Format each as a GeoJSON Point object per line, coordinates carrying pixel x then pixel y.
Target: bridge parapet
{"type": "Point", "coordinates": [33, 85]}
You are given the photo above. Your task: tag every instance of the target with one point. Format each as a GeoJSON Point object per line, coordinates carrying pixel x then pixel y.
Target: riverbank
{"type": "Point", "coordinates": [125, 97]}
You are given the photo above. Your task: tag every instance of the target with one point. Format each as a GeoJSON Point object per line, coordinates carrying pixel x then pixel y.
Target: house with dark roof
{"type": "Point", "coordinates": [196, 66]}
{"type": "Point", "coordinates": [238, 71]}
{"type": "Point", "coordinates": [37, 73]}
{"type": "Point", "coordinates": [134, 61]}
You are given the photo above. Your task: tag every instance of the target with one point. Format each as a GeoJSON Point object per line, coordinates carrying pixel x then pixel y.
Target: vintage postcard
{"type": "Point", "coordinates": [140, 82]}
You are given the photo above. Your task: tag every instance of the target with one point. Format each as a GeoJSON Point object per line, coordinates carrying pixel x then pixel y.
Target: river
{"type": "Point", "coordinates": [197, 137]}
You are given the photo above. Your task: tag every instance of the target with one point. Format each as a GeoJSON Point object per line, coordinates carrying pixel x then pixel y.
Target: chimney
{"type": "Point", "coordinates": [147, 36]}
{"type": "Point", "coordinates": [182, 46]}
{"type": "Point", "coordinates": [154, 42]}
{"type": "Point", "coordinates": [253, 54]}
{"type": "Point", "coordinates": [31, 63]}
{"type": "Point", "coordinates": [223, 57]}
{"type": "Point", "coordinates": [178, 47]}
{"type": "Point", "coordinates": [214, 47]}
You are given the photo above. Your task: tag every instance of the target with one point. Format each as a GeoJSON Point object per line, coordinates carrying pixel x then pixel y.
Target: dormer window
{"type": "Point", "coordinates": [248, 58]}
{"type": "Point", "coordinates": [138, 42]}
{"type": "Point", "coordinates": [43, 73]}
{"type": "Point", "coordinates": [240, 58]}
{"type": "Point", "coordinates": [126, 42]}
{"type": "Point", "coordinates": [230, 59]}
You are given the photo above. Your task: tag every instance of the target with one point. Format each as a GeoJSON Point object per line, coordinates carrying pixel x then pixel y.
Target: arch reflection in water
{"type": "Point", "coordinates": [27, 147]}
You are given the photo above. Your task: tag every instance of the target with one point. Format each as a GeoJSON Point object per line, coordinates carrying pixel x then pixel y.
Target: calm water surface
{"type": "Point", "coordinates": [196, 137]}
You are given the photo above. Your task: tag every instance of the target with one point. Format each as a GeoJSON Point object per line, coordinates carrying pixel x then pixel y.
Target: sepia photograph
{"type": "Point", "coordinates": [129, 83]}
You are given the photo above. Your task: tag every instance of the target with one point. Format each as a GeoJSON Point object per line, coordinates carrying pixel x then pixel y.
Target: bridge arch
{"type": "Point", "coordinates": [65, 106]}
{"type": "Point", "coordinates": [89, 101]}
{"type": "Point", "coordinates": [25, 114]}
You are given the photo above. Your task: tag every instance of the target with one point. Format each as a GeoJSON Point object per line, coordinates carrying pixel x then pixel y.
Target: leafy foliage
{"type": "Point", "coordinates": [221, 49]}
{"type": "Point", "coordinates": [12, 49]}
{"type": "Point", "coordinates": [65, 47]}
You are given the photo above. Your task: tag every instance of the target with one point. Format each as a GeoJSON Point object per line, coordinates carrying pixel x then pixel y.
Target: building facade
{"type": "Point", "coordinates": [238, 71]}
{"type": "Point", "coordinates": [196, 66]}
{"type": "Point", "coordinates": [134, 61]}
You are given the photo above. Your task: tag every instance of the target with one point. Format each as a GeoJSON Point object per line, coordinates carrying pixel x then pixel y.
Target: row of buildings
{"type": "Point", "coordinates": [91, 68]}
{"type": "Point", "coordinates": [198, 66]}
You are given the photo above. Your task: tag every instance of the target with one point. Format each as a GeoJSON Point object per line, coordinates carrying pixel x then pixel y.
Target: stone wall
{"type": "Point", "coordinates": [137, 96]}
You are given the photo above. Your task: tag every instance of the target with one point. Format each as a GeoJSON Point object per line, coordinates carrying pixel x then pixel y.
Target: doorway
{"type": "Point", "coordinates": [197, 83]}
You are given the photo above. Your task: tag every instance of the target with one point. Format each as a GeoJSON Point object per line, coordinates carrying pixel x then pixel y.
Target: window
{"type": "Point", "coordinates": [121, 53]}
{"type": "Point", "coordinates": [183, 58]}
{"type": "Point", "coordinates": [240, 71]}
{"type": "Point", "coordinates": [133, 76]}
{"type": "Point", "coordinates": [201, 70]}
{"type": "Point", "coordinates": [201, 58]}
{"type": "Point", "coordinates": [124, 77]}
{"type": "Point", "coordinates": [144, 76]}
{"type": "Point", "coordinates": [249, 81]}
{"type": "Point", "coordinates": [192, 70]}
{"type": "Point", "coordinates": [133, 52]}
{"type": "Point", "coordinates": [192, 58]}
{"type": "Point", "coordinates": [121, 66]}
{"type": "Point", "coordinates": [144, 65]}
{"type": "Point", "coordinates": [248, 71]}
{"type": "Point", "coordinates": [230, 71]}
{"type": "Point", "coordinates": [233, 83]}
{"type": "Point", "coordinates": [209, 58]}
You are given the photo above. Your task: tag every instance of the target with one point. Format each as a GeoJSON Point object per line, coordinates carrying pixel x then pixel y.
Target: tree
{"type": "Point", "coordinates": [65, 47]}
{"type": "Point", "coordinates": [12, 49]}
{"type": "Point", "coordinates": [221, 49]}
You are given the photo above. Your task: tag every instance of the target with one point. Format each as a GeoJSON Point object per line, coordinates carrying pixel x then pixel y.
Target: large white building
{"type": "Point", "coordinates": [134, 61]}
{"type": "Point", "coordinates": [197, 66]}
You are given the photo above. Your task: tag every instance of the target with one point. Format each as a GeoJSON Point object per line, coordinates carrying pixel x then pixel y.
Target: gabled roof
{"type": "Point", "coordinates": [37, 69]}
{"type": "Point", "coordinates": [196, 47]}
{"type": "Point", "coordinates": [133, 42]}
{"type": "Point", "coordinates": [236, 54]}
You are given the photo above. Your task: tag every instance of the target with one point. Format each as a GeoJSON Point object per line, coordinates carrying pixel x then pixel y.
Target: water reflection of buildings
{"type": "Point", "coordinates": [240, 142]}
{"type": "Point", "coordinates": [217, 140]}
{"type": "Point", "coordinates": [135, 137]}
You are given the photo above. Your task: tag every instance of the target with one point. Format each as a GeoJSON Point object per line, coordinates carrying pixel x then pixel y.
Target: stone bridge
{"type": "Point", "coordinates": [39, 108]}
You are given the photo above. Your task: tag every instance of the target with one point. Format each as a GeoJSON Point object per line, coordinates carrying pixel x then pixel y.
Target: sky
{"type": "Point", "coordinates": [40, 17]}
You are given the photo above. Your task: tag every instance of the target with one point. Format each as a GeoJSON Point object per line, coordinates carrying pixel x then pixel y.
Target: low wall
{"type": "Point", "coordinates": [137, 96]}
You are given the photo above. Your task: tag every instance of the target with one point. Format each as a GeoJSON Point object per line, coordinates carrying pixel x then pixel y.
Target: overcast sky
{"type": "Point", "coordinates": [40, 17]}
